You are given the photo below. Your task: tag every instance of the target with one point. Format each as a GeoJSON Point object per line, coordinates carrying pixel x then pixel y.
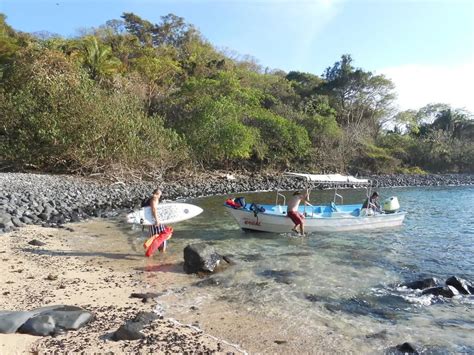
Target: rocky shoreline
{"type": "Point", "coordinates": [53, 200]}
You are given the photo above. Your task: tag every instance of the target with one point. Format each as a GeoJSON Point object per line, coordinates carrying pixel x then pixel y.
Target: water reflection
{"type": "Point", "coordinates": [346, 280]}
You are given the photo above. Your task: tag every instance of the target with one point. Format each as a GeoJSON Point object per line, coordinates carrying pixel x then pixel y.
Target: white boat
{"type": "Point", "coordinates": [321, 218]}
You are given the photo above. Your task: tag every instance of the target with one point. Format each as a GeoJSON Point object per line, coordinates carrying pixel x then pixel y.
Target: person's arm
{"type": "Point", "coordinates": [374, 205]}
{"type": "Point", "coordinates": [377, 205]}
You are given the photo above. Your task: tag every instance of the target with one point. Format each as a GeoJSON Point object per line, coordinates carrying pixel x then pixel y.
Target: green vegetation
{"type": "Point", "coordinates": [136, 97]}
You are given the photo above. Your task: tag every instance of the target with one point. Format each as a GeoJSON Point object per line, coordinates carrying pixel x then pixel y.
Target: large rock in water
{"type": "Point", "coordinates": [421, 284]}
{"type": "Point", "coordinates": [463, 286]}
{"type": "Point", "coordinates": [446, 291]}
{"type": "Point", "coordinates": [200, 257]}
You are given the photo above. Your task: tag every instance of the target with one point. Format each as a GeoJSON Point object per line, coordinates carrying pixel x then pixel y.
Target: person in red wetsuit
{"type": "Point", "coordinates": [292, 211]}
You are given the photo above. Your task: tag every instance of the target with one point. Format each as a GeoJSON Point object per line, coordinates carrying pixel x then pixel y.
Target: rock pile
{"type": "Point", "coordinates": [453, 286]}
{"type": "Point", "coordinates": [53, 200]}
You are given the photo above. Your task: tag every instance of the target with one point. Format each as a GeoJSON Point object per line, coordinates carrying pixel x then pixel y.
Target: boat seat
{"type": "Point", "coordinates": [318, 209]}
{"type": "Point", "coordinates": [356, 212]}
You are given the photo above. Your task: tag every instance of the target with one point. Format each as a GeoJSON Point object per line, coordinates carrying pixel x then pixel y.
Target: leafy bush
{"type": "Point", "coordinates": [55, 118]}
{"type": "Point", "coordinates": [216, 132]}
{"type": "Point", "coordinates": [375, 159]}
{"type": "Point", "coordinates": [282, 141]}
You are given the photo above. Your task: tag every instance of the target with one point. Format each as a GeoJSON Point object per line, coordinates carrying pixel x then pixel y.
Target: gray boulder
{"type": "Point", "coordinates": [69, 317]}
{"type": "Point", "coordinates": [5, 220]}
{"type": "Point", "coordinates": [45, 320]}
{"type": "Point", "coordinates": [10, 321]}
{"type": "Point", "coordinates": [16, 222]}
{"type": "Point", "coordinates": [41, 325]}
{"type": "Point", "coordinates": [129, 331]}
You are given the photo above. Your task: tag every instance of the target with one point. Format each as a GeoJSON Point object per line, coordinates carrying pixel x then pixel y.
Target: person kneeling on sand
{"type": "Point", "coordinates": [292, 211]}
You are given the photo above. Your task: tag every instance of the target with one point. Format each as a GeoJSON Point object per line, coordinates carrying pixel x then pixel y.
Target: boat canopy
{"type": "Point", "coordinates": [334, 179]}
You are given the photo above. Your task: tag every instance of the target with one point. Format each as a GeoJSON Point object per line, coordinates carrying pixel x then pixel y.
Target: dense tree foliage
{"type": "Point", "coordinates": [135, 96]}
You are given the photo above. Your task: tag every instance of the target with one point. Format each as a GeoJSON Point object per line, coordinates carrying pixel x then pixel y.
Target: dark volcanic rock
{"type": "Point", "coordinates": [463, 286]}
{"type": "Point", "coordinates": [207, 282]}
{"type": "Point", "coordinates": [145, 317]}
{"type": "Point", "coordinates": [146, 297]}
{"type": "Point", "coordinates": [378, 335]}
{"type": "Point", "coordinates": [446, 291]}
{"type": "Point", "coordinates": [129, 331]}
{"type": "Point", "coordinates": [406, 348]}
{"type": "Point", "coordinates": [313, 298]}
{"type": "Point", "coordinates": [52, 200]}
{"type": "Point", "coordinates": [36, 242]}
{"type": "Point", "coordinates": [200, 257]}
{"type": "Point", "coordinates": [280, 276]}
{"type": "Point", "coordinates": [421, 284]}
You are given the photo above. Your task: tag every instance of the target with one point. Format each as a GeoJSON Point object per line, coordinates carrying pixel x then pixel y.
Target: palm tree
{"type": "Point", "coordinates": [98, 58]}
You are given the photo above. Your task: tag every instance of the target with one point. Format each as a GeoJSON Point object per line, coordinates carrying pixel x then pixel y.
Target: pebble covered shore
{"type": "Point", "coordinates": [53, 200]}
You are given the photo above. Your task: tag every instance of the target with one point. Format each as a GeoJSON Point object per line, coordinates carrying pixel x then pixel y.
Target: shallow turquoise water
{"type": "Point", "coordinates": [348, 281]}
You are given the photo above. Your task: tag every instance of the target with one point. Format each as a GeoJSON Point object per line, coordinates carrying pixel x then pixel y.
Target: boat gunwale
{"type": "Point", "coordinates": [349, 215]}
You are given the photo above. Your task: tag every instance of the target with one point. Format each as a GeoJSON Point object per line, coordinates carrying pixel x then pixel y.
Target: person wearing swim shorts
{"type": "Point", "coordinates": [292, 212]}
{"type": "Point", "coordinates": [158, 227]}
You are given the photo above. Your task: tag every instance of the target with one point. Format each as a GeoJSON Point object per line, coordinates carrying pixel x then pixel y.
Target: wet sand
{"type": "Point", "coordinates": [97, 265]}
{"type": "Point", "coordinates": [85, 268]}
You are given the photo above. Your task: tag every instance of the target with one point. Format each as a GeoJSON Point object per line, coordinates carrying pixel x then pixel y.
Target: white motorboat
{"type": "Point", "coordinates": [322, 218]}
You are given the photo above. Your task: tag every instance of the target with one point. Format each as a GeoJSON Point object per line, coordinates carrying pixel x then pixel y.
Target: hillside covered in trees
{"type": "Point", "coordinates": [133, 96]}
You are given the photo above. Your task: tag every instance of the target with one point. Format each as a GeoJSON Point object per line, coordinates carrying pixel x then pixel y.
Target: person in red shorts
{"type": "Point", "coordinates": [292, 211]}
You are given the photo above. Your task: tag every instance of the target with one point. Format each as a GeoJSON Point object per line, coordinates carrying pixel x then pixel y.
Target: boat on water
{"type": "Point", "coordinates": [330, 217]}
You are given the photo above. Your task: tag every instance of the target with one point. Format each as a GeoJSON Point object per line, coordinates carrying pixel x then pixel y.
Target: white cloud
{"type": "Point", "coordinates": [419, 85]}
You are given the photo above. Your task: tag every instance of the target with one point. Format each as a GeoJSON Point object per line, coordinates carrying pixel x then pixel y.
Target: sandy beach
{"type": "Point", "coordinates": [95, 265]}
{"type": "Point", "coordinates": [67, 271]}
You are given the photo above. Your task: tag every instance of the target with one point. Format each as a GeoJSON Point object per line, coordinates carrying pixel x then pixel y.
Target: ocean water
{"type": "Point", "coordinates": [348, 282]}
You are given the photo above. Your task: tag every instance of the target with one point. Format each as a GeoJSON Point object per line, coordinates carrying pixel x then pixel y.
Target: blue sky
{"type": "Point", "coordinates": [425, 46]}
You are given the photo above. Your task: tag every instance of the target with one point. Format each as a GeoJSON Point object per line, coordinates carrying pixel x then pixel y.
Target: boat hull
{"type": "Point", "coordinates": [266, 222]}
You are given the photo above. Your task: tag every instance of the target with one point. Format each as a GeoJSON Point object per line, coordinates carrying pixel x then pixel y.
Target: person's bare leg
{"type": "Point", "coordinates": [302, 229]}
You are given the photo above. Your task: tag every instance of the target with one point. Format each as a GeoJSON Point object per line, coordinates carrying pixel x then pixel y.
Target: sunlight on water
{"type": "Point", "coordinates": [348, 281]}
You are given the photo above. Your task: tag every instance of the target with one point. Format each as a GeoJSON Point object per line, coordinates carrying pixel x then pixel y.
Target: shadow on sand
{"type": "Point", "coordinates": [116, 256]}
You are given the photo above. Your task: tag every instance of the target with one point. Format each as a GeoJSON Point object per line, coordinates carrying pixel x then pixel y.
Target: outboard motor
{"type": "Point", "coordinates": [391, 205]}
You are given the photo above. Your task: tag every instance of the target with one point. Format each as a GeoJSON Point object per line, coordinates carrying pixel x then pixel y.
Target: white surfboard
{"type": "Point", "coordinates": [167, 212]}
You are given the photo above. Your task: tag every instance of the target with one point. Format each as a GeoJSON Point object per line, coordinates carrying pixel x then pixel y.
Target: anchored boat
{"type": "Point", "coordinates": [331, 217]}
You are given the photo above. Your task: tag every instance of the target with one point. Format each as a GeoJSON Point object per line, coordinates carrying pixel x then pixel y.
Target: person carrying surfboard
{"type": "Point", "coordinates": [158, 229]}
{"type": "Point", "coordinates": [154, 201]}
